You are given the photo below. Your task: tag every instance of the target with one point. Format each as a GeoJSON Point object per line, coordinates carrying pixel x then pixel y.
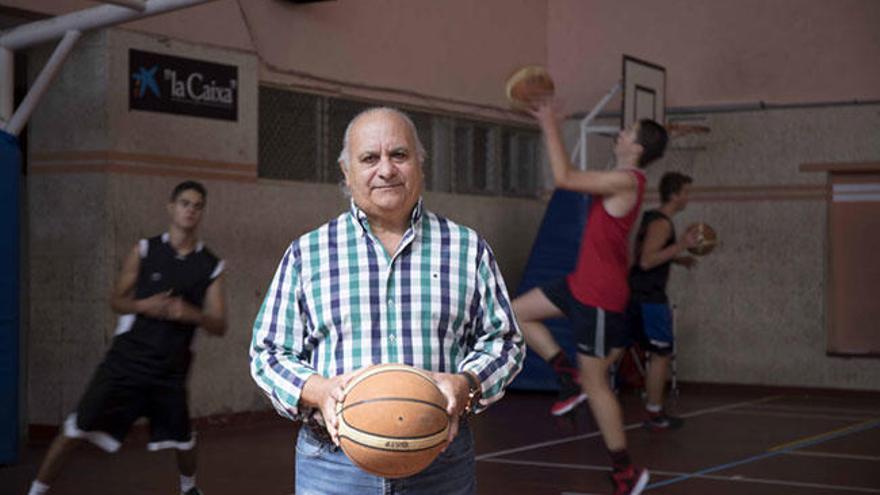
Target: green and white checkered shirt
{"type": "Point", "coordinates": [339, 302]}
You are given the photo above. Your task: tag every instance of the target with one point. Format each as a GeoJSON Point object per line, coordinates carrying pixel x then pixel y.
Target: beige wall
{"type": "Point", "coordinates": [78, 239]}
{"type": "Point", "coordinates": [752, 312]}
{"type": "Point", "coordinates": [452, 55]}
{"type": "Point", "coordinates": [99, 182]}
{"type": "Point", "coordinates": [717, 51]}
{"type": "Point", "coordinates": [99, 176]}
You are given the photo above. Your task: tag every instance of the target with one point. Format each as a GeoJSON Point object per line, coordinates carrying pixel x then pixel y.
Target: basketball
{"type": "Point", "coordinates": [393, 421]}
{"type": "Point", "coordinates": [707, 239]}
{"type": "Point", "coordinates": [528, 85]}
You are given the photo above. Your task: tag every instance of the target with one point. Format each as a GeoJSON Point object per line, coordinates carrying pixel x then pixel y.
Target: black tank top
{"type": "Point", "coordinates": [650, 285]}
{"type": "Point", "coordinates": [157, 346]}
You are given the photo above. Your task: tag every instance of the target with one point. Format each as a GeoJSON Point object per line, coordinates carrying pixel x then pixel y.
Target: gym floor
{"type": "Point", "coordinates": [735, 440]}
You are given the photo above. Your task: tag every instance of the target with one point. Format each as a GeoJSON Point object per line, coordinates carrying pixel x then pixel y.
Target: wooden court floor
{"type": "Point", "coordinates": [735, 440]}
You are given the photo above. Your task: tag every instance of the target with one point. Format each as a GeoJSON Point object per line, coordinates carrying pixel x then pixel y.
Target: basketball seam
{"type": "Point", "coordinates": [382, 449]}
{"type": "Point", "coordinates": [379, 441]}
{"type": "Point", "coordinates": [383, 399]}
{"type": "Point", "coordinates": [413, 438]}
{"type": "Point", "coordinates": [387, 369]}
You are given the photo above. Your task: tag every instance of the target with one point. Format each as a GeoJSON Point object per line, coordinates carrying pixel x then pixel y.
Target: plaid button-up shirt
{"type": "Point", "coordinates": [339, 302]}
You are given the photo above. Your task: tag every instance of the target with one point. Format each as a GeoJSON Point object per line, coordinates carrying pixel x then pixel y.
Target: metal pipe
{"type": "Point", "coordinates": [138, 5]}
{"type": "Point", "coordinates": [41, 84]}
{"type": "Point", "coordinates": [577, 147]}
{"type": "Point", "coordinates": [585, 122]}
{"type": "Point", "coordinates": [599, 106]}
{"type": "Point", "coordinates": [84, 20]}
{"type": "Point", "coordinates": [7, 84]}
{"type": "Point", "coordinates": [681, 113]}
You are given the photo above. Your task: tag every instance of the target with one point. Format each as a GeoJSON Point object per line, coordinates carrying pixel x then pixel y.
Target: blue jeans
{"type": "Point", "coordinates": [324, 469]}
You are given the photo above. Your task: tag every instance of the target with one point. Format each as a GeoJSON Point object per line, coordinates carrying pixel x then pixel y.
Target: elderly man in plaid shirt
{"type": "Point", "coordinates": [385, 282]}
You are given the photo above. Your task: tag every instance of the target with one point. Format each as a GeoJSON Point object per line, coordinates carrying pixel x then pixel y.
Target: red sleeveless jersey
{"type": "Point", "coordinates": [600, 277]}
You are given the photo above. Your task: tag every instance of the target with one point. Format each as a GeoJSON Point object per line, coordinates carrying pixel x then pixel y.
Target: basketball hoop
{"type": "Point", "coordinates": [686, 141]}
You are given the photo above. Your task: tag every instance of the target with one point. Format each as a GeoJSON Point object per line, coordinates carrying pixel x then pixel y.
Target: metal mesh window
{"type": "Point", "coordinates": [301, 137]}
{"type": "Point", "coordinates": [424, 126]}
{"type": "Point", "coordinates": [288, 135]}
{"type": "Point", "coordinates": [442, 171]}
{"type": "Point", "coordinates": [339, 114]}
{"type": "Point", "coordinates": [475, 157]}
{"type": "Point", "coordinates": [520, 162]}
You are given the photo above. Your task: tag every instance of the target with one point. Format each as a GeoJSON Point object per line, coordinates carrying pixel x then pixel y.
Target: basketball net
{"type": "Point", "coordinates": [686, 141]}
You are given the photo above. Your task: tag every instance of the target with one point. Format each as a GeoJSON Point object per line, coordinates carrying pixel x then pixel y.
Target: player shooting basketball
{"type": "Point", "coordinates": [595, 294]}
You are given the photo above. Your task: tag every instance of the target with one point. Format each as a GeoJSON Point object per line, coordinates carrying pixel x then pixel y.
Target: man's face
{"type": "Point", "coordinates": [682, 197]}
{"type": "Point", "coordinates": [627, 145]}
{"type": "Point", "coordinates": [384, 173]}
{"type": "Point", "coordinates": [186, 209]}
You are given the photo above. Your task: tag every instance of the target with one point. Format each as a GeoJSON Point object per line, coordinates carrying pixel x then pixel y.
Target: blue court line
{"type": "Point", "coordinates": [856, 428]}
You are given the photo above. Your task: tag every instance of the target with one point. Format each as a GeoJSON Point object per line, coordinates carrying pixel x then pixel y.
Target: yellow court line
{"type": "Point", "coordinates": [820, 435]}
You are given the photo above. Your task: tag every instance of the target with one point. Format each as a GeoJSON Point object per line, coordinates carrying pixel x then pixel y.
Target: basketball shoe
{"type": "Point", "coordinates": [630, 481]}
{"type": "Point", "coordinates": [570, 395]}
{"type": "Point", "coordinates": [662, 422]}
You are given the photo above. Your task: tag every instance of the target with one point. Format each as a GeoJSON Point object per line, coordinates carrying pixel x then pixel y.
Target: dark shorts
{"type": "Point", "coordinates": [651, 326]}
{"type": "Point", "coordinates": [114, 400]}
{"type": "Point", "coordinates": [596, 330]}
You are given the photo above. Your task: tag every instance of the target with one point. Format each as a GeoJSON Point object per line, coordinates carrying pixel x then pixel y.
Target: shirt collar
{"type": "Point", "coordinates": [360, 216]}
{"type": "Point", "coordinates": [166, 238]}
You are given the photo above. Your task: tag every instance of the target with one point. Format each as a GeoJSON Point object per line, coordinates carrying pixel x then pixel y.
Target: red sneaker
{"type": "Point", "coordinates": [570, 392]}
{"type": "Point", "coordinates": [568, 399]}
{"type": "Point", "coordinates": [630, 481]}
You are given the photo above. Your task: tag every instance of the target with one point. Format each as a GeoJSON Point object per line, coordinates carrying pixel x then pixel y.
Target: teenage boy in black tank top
{"type": "Point", "coordinates": [169, 285]}
{"type": "Point", "coordinates": [649, 314]}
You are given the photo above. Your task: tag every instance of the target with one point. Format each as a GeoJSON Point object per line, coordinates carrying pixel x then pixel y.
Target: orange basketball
{"type": "Point", "coordinates": [707, 239]}
{"type": "Point", "coordinates": [528, 85]}
{"type": "Point", "coordinates": [393, 421]}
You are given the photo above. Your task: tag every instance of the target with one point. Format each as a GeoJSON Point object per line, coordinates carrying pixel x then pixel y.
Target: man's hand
{"type": "Point", "coordinates": [455, 387]}
{"type": "Point", "coordinates": [544, 111]}
{"type": "Point", "coordinates": [182, 311]}
{"type": "Point", "coordinates": [691, 237]}
{"type": "Point", "coordinates": [326, 394]}
{"type": "Point", "coordinates": [155, 306]}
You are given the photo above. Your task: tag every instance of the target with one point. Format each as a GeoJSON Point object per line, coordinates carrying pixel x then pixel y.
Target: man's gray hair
{"type": "Point", "coordinates": [420, 149]}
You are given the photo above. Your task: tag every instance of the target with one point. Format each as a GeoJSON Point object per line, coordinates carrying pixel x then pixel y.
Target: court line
{"type": "Point", "coordinates": [631, 426]}
{"type": "Point", "coordinates": [835, 455]}
{"type": "Point", "coordinates": [828, 435]}
{"type": "Point", "coordinates": [829, 410]}
{"type": "Point", "coordinates": [712, 477]}
{"type": "Point", "coordinates": [777, 450]}
{"type": "Point", "coordinates": [776, 414]}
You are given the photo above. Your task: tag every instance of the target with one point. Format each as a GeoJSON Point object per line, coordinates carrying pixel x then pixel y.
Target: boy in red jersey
{"type": "Point", "coordinates": [594, 296]}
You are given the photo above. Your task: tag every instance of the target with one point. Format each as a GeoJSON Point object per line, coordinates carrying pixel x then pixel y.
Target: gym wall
{"type": "Point", "coordinates": [100, 174]}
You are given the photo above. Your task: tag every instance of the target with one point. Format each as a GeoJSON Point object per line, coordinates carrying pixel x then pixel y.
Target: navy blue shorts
{"type": "Point", "coordinates": [651, 326]}
{"type": "Point", "coordinates": [596, 330]}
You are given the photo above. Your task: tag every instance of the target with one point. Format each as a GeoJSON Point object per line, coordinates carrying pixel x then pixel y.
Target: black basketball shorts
{"type": "Point", "coordinates": [115, 399]}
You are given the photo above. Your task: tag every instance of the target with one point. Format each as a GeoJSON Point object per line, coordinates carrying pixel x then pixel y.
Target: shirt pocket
{"type": "Point", "coordinates": [442, 306]}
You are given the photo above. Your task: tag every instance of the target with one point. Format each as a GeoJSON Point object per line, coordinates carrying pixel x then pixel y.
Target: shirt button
{"type": "Point", "coordinates": [392, 338]}
{"type": "Point", "coordinates": [391, 302]}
